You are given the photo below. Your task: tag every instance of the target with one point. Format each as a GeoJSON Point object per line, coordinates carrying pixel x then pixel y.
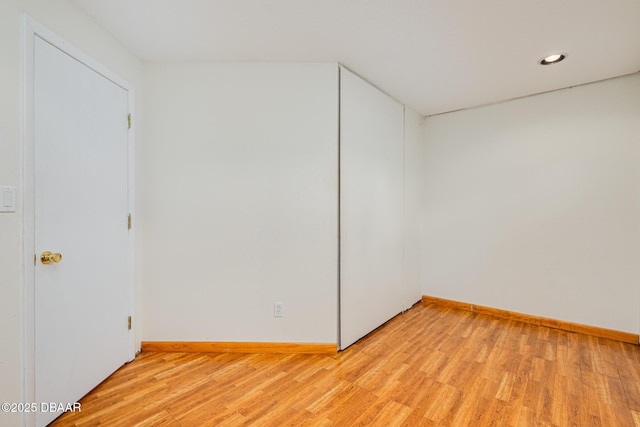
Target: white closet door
{"type": "Point", "coordinates": [371, 208]}
{"type": "Point", "coordinates": [81, 207]}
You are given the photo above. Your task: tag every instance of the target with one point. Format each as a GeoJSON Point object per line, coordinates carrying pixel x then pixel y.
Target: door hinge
{"type": "Point", "coordinates": [129, 323]}
{"type": "Point", "coordinates": [129, 222]}
{"type": "Point", "coordinates": [129, 121]}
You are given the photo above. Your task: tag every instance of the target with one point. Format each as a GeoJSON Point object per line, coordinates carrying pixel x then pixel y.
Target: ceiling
{"type": "Point", "coordinates": [433, 55]}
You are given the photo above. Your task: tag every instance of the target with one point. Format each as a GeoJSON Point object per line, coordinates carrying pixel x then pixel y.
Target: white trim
{"type": "Point", "coordinates": [28, 276]}
{"type": "Point", "coordinates": [405, 306]}
{"type": "Point", "coordinates": [34, 29]}
{"type": "Point", "coordinates": [131, 176]}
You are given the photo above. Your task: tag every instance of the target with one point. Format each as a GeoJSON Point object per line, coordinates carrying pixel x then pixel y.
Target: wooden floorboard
{"type": "Point", "coordinates": [430, 366]}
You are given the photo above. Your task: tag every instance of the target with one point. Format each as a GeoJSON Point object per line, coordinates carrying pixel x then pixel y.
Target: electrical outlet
{"type": "Point", "coordinates": [278, 309]}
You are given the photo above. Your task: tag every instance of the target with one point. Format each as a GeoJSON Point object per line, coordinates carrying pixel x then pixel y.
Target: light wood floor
{"type": "Point", "coordinates": [428, 366]}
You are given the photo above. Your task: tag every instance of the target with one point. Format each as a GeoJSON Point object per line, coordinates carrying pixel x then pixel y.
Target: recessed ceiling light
{"type": "Point", "coordinates": [552, 59]}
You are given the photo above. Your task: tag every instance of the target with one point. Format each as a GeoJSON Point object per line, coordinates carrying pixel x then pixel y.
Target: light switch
{"type": "Point", "coordinates": [7, 198]}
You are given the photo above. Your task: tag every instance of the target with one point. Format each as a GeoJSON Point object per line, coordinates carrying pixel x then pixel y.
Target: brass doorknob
{"type": "Point", "coordinates": [48, 257]}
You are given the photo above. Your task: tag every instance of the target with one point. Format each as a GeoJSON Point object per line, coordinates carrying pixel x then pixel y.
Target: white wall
{"type": "Point", "coordinates": [413, 159]}
{"type": "Point", "coordinates": [10, 223]}
{"type": "Point", "coordinates": [239, 202]}
{"type": "Point", "coordinates": [79, 30]}
{"type": "Point", "coordinates": [533, 205]}
{"type": "Point", "coordinates": [371, 208]}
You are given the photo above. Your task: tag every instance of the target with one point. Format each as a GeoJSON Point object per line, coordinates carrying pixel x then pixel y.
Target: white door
{"type": "Point", "coordinates": [371, 208]}
{"type": "Point", "coordinates": [81, 210]}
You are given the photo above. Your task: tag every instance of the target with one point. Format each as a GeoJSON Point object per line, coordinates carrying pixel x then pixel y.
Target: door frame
{"type": "Point", "coordinates": [33, 29]}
